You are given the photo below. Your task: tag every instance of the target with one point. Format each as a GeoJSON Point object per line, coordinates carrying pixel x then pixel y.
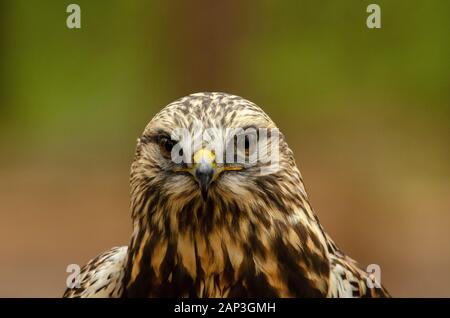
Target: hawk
{"type": "Point", "coordinates": [208, 228]}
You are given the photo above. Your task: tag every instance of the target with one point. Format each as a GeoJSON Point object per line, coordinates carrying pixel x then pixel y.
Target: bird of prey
{"type": "Point", "coordinates": [208, 228]}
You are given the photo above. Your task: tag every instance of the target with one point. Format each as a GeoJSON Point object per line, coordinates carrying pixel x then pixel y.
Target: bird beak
{"type": "Point", "coordinates": [204, 169]}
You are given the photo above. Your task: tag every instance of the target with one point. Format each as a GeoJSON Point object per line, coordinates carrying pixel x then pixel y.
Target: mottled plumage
{"type": "Point", "coordinates": [252, 235]}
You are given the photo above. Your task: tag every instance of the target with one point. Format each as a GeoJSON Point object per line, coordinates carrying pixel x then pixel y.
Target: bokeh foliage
{"type": "Point", "coordinates": [366, 112]}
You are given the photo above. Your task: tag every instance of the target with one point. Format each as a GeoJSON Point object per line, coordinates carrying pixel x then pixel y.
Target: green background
{"type": "Point", "coordinates": [366, 112]}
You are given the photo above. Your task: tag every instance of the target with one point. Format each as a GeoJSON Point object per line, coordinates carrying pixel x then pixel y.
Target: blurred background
{"type": "Point", "coordinates": [366, 112]}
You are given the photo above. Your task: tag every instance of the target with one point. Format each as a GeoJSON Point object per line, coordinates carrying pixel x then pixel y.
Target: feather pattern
{"type": "Point", "coordinates": [254, 235]}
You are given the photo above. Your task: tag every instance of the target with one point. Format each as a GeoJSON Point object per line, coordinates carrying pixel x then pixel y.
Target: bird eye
{"type": "Point", "coordinates": [250, 142]}
{"type": "Point", "coordinates": [247, 145]}
{"type": "Point", "coordinates": [165, 146]}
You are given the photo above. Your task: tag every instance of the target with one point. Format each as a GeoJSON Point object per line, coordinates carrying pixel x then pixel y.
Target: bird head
{"type": "Point", "coordinates": [215, 190]}
{"type": "Point", "coordinates": [211, 149]}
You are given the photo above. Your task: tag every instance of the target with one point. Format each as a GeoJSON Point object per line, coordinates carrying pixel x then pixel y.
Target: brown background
{"type": "Point", "coordinates": [366, 112]}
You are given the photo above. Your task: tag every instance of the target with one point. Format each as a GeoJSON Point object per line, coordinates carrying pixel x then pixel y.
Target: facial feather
{"type": "Point", "coordinates": [245, 218]}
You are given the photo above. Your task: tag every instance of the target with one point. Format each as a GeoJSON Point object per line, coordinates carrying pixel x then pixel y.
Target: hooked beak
{"type": "Point", "coordinates": [204, 167]}
{"type": "Point", "coordinates": [205, 170]}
